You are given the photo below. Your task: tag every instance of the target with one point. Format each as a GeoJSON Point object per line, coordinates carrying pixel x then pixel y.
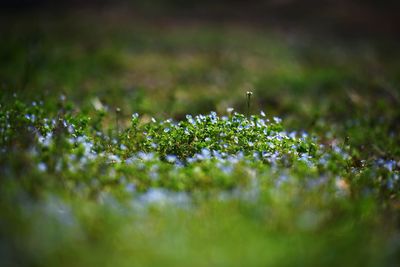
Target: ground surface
{"type": "Point", "coordinates": [107, 160]}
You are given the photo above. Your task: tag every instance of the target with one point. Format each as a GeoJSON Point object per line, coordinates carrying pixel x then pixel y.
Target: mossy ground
{"type": "Point", "coordinates": [94, 171]}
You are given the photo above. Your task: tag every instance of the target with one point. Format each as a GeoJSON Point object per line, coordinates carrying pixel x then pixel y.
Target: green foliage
{"type": "Point", "coordinates": [63, 164]}
{"type": "Point", "coordinates": [83, 182]}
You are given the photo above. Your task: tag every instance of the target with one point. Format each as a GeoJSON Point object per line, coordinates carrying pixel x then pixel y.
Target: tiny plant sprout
{"type": "Point", "coordinates": [117, 113]}
{"type": "Point", "coordinates": [230, 110]}
{"type": "Point", "coordinates": [248, 96]}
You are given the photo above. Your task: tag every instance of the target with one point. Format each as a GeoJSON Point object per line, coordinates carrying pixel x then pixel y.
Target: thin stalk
{"type": "Point", "coordinates": [117, 113]}
{"type": "Point", "coordinates": [248, 95]}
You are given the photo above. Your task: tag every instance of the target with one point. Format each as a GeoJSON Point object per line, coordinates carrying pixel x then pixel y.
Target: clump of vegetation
{"type": "Point", "coordinates": [66, 158]}
{"type": "Point", "coordinates": [85, 180]}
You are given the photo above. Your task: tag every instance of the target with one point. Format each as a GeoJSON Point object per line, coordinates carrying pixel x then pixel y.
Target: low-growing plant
{"type": "Point", "coordinates": [276, 177]}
